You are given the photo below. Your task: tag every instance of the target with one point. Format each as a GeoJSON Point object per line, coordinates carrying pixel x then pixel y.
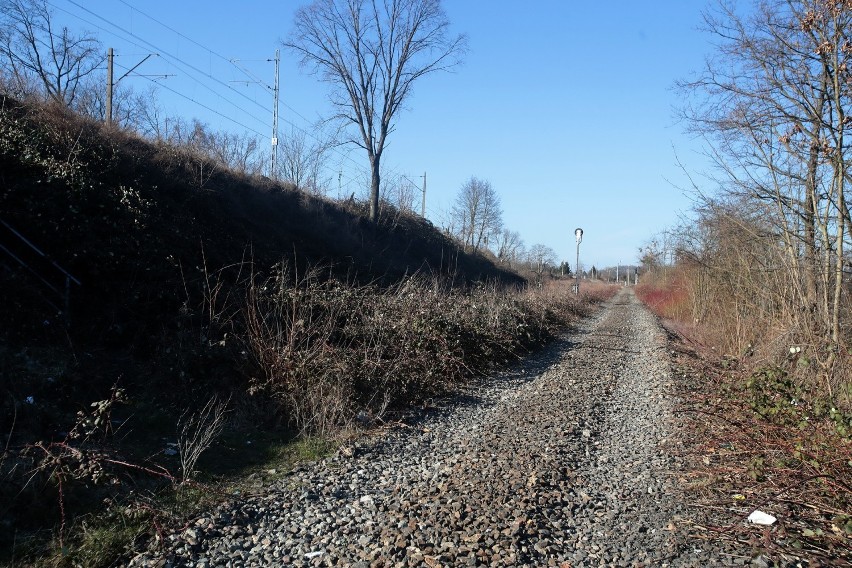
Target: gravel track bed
{"type": "Point", "coordinates": [560, 461]}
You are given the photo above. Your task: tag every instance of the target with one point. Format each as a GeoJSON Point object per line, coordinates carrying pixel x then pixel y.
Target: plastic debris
{"type": "Point", "coordinates": [758, 517]}
{"type": "Point", "coordinates": [312, 555]}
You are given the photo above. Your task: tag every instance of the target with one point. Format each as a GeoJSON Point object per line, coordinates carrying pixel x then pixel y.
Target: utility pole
{"type": "Point", "coordinates": [111, 84]}
{"type": "Point", "coordinates": [578, 234]}
{"type": "Point", "coordinates": [110, 56]}
{"type": "Point", "coordinates": [423, 209]}
{"type": "Point", "coordinates": [275, 116]}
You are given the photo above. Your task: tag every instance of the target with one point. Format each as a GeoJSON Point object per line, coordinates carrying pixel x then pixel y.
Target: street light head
{"type": "Point", "coordinates": [579, 234]}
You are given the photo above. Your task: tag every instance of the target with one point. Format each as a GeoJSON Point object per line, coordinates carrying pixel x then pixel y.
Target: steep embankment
{"type": "Point", "coordinates": [138, 223]}
{"type": "Point", "coordinates": [156, 234]}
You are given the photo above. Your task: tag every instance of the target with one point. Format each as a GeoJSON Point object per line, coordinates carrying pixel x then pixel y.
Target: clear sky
{"type": "Point", "coordinates": [566, 107]}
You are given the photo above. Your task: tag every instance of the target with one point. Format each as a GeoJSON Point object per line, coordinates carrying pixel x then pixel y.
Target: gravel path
{"type": "Point", "coordinates": [559, 462]}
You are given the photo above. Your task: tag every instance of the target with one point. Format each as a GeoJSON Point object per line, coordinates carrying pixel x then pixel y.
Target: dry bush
{"type": "Point", "coordinates": [291, 326]}
{"type": "Point", "coordinates": [666, 292]}
{"type": "Point", "coordinates": [327, 350]}
{"type": "Point", "coordinates": [62, 478]}
{"type": "Point", "coordinates": [747, 294]}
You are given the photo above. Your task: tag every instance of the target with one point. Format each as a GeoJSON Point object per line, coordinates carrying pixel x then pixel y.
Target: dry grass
{"type": "Point", "coordinates": [753, 321]}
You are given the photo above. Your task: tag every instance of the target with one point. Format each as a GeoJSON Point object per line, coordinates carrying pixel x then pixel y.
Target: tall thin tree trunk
{"type": "Point", "coordinates": [840, 177]}
{"type": "Point", "coordinates": [375, 181]}
{"type": "Point", "coordinates": [809, 213]}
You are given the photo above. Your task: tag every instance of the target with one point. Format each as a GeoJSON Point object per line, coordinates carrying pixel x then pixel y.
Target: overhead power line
{"type": "Point", "coordinates": [188, 68]}
{"type": "Point", "coordinates": [177, 60]}
{"type": "Point", "coordinates": [202, 105]}
{"type": "Point", "coordinates": [146, 44]}
{"type": "Point", "coordinates": [167, 54]}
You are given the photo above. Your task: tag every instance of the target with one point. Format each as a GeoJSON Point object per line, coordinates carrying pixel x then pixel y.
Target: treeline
{"type": "Point", "coordinates": [766, 266]}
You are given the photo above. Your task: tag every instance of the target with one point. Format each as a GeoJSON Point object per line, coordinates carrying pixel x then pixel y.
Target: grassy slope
{"type": "Point", "coordinates": [121, 213]}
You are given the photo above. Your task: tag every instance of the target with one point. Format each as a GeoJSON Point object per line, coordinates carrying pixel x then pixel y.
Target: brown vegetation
{"type": "Point", "coordinates": [757, 440]}
{"type": "Point", "coordinates": [764, 271]}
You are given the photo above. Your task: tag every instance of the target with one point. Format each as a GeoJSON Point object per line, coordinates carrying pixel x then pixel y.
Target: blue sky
{"type": "Point", "coordinates": [566, 107]}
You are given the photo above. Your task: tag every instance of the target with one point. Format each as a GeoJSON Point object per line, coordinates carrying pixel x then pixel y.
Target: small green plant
{"type": "Point", "coordinates": [756, 469]}
{"type": "Point", "coordinates": [775, 396]}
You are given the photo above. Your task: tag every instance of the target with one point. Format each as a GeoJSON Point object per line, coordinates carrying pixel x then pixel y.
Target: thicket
{"type": "Point", "coordinates": [765, 270]}
{"type": "Point", "coordinates": [326, 350]}
{"type": "Point", "coordinates": [759, 439]}
{"type": "Point", "coordinates": [750, 315]}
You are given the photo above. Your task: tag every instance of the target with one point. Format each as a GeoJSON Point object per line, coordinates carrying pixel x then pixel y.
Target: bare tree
{"type": "Point", "coordinates": [399, 191]}
{"type": "Point", "coordinates": [541, 258]}
{"type": "Point", "coordinates": [301, 160]}
{"type": "Point", "coordinates": [509, 246]}
{"type": "Point", "coordinates": [373, 53]}
{"type": "Point", "coordinates": [239, 152]}
{"type": "Point", "coordinates": [476, 214]}
{"type": "Point", "coordinates": [773, 107]}
{"type": "Point", "coordinates": [153, 121]}
{"type": "Point", "coordinates": [128, 105]}
{"type": "Point", "coordinates": [35, 54]}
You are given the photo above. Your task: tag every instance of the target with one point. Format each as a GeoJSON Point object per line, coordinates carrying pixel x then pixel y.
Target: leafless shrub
{"type": "Point", "coordinates": [322, 407]}
{"type": "Point", "coordinates": [197, 431]}
{"type": "Point", "coordinates": [83, 458]}
{"type": "Point", "coordinates": [290, 324]}
{"type": "Point", "coordinates": [302, 157]}
{"type": "Point", "coordinates": [327, 350]}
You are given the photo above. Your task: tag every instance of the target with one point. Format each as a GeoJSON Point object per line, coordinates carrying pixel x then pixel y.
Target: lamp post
{"type": "Point", "coordinates": [579, 234]}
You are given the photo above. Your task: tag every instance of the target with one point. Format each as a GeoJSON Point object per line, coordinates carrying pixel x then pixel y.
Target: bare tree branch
{"type": "Point", "coordinates": [38, 59]}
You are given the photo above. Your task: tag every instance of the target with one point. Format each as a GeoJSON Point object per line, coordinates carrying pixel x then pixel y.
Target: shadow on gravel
{"type": "Point", "coordinates": [475, 393]}
{"type": "Point", "coordinates": [602, 348]}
